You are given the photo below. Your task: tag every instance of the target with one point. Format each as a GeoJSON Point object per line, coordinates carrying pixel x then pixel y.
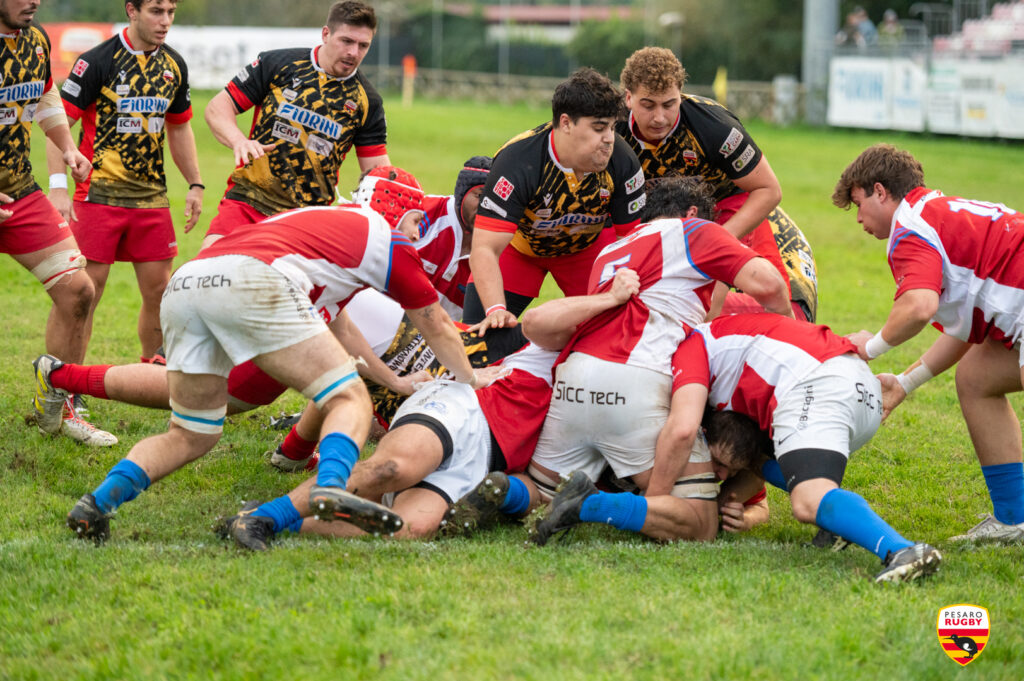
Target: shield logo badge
{"type": "Point", "coordinates": [963, 631]}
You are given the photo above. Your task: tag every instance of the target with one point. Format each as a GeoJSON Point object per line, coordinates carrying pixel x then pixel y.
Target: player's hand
{"type": "Point", "coordinates": [860, 339]}
{"type": "Point", "coordinates": [625, 285]}
{"type": "Point", "coordinates": [250, 150]}
{"type": "Point", "coordinates": [893, 393]}
{"type": "Point", "coordinates": [733, 519]}
{"type": "Point", "coordinates": [4, 214]}
{"type": "Point", "coordinates": [193, 207]}
{"type": "Point", "coordinates": [499, 319]}
{"type": "Point", "coordinates": [488, 375]}
{"type": "Point", "coordinates": [407, 385]}
{"type": "Point", "coordinates": [78, 164]}
{"type": "Point", "coordinates": [62, 202]}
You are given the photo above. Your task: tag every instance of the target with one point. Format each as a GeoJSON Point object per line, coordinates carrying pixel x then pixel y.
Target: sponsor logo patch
{"type": "Point", "coordinates": [504, 188]}
{"type": "Point", "coordinates": [72, 88]}
{"type": "Point", "coordinates": [168, 76]}
{"type": "Point", "coordinates": [29, 112]}
{"type": "Point", "coordinates": [493, 207]}
{"type": "Point", "coordinates": [39, 51]}
{"type": "Point", "coordinates": [635, 206]}
{"type": "Point", "coordinates": [744, 159]}
{"type": "Point", "coordinates": [319, 145]}
{"type": "Point", "coordinates": [310, 119]}
{"type": "Point", "coordinates": [129, 125]}
{"type": "Point", "coordinates": [155, 125]}
{"type": "Point", "coordinates": [289, 94]}
{"type": "Point", "coordinates": [963, 631]}
{"type": "Point", "coordinates": [122, 90]}
{"type": "Point", "coordinates": [605, 194]}
{"type": "Point", "coordinates": [634, 183]}
{"type": "Point", "coordinates": [243, 75]}
{"type": "Point", "coordinates": [350, 105]}
{"type": "Point", "coordinates": [8, 116]}
{"type": "Point", "coordinates": [731, 143]}
{"type": "Point", "coordinates": [21, 92]}
{"type": "Point", "coordinates": [288, 133]}
{"type": "Point", "coordinates": [80, 67]}
{"type": "Point", "coordinates": [689, 157]}
{"type": "Point", "coordinates": [544, 213]}
{"type": "Point", "coordinates": [143, 105]}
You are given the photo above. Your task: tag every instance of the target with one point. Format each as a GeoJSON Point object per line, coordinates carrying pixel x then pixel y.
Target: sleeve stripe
{"type": "Point", "coordinates": [242, 102]}
{"type": "Point", "coordinates": [372, 150]}
{"type": "Point", "coordinates": [179, 118]}
{"type": "Point", "coordinates": [490, 224]}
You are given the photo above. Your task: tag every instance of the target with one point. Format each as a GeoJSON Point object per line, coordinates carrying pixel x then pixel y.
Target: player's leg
{"type": "Point", "coordinates": [152, 277]}
{"type": "Point", "coordinates": [293, 454]}
{"type": "Point", "coordinates": [99, 272]}
{"type": "Point", "coordinates": [986, 374]}
{"type": "Point", "coordinates": [144, 385]}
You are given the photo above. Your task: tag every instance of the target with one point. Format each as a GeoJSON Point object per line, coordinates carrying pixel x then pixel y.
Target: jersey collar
{"type": "Point", "coordinates": [128, 45]}
{"type": "Point", "coordinates": [635, 132]}
{"type": "Point", "coordinates": [11, 36]}
{"type": "Point", "coordinates": [316, 65]}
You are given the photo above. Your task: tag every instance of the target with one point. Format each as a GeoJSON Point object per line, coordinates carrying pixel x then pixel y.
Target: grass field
{"type": "Point", "coordinates": [166, 599]}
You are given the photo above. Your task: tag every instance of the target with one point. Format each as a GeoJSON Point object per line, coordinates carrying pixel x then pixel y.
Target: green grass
{"type": "Point", "coordinates": [166, 599]}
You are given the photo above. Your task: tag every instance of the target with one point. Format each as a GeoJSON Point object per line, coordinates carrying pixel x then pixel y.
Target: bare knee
{"type": "Point", "coordinates": [74, 296]}
{"type": "Point", "coordinates": [373, 478]}
{"type": "Point", "coordinates": [418, 528]}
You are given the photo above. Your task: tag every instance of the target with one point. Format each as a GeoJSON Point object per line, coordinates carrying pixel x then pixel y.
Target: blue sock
{"type": "Point", "coordinates": [517, 499]}
{"type": "Point", "coordinates": [773, 474]}
{"type": "Point", "coordinates": [123, 483]}
{"type": "Point", "coordinates": [338, 453]}
{"type": "Point", "coordinates": [1006, 487]}
{"type": "Point", "coordinates": [295, 527]}
{"type": "Point", "coordinates": [281, 510]}
{"type": "Point", "coordinates": [848, 515]}
{"type": "Point", "coordinates": [625, 511]}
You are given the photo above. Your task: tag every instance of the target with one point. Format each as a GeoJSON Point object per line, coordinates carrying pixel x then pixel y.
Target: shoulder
{"type": "Point", "coordinates": [371, 91]}
{"type": "Point", "coordinates": [175, 56]}
{"type": "Point", "coordinates": [529, 139]}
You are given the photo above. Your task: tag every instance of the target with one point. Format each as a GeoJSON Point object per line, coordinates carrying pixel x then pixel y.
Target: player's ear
{"type": "Point", "coordinates": [691, 212]}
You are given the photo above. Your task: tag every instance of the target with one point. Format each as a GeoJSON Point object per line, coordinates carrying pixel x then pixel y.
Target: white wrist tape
{"type": "Point", "coordinates": [877, 346]}
{"type": "Point", "coordinates": [58, 181]}
{"type": "Point", "coordinates": [915, 378]}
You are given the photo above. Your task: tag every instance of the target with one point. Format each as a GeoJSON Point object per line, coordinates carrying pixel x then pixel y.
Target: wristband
{"type": "Point", "coordinates": [58, 181]}
{"type": "Point", "coordinates": [197, 184]}
{"type": "Point", "coordinates": [877, 346]}
{"type": "Point", "coordinates": [915, 378]}
{"type": "Point", "coordinates": [494, 308]}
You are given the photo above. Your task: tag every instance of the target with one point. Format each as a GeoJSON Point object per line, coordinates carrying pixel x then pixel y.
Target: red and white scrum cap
{"type": "Point", "coordinates": [390, 192]}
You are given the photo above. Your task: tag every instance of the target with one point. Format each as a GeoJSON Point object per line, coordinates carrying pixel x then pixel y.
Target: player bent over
{"type": "Point", "coordinates": [444, 439]}
{"type": "Point", "coordinates": [958, 264]}
{"type": "Point", "coordinates": [819, 401]}
{"type": "Point", "coordinates": [263, 294]}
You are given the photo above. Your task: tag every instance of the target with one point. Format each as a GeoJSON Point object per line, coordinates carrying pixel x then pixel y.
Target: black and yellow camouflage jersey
{"type": "Point", "coordinates": [798, 259]}
{"type": "Point", "coordinates": [123, 97]}
{"type": "Point", "coordinates": [707, 141]}
{"type": "Point", "coordinates": [530, 193]}
{"type": "Point", "coordinates": [25, 60]}
{"type": "Point", "coordinates": [410, 353]}
{"type": "Point", "coordinates": [313, 118]}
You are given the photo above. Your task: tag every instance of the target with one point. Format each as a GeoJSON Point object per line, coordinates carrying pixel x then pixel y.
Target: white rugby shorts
{"type": "Point", "coordinates": [222, 311]}
{"type": "Point", "coordinates": [603, 412]}
{"type": "Point", "coordinates": [837, 407]}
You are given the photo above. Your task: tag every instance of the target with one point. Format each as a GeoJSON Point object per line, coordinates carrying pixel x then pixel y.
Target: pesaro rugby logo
{"type": "Point", "coordinates": [963, 631]}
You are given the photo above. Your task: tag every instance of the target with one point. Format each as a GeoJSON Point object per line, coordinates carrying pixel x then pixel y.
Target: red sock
{"type": "Point", "coordinates": [81, 380]}
{"type": "Point", "coordinates": [295, 448]}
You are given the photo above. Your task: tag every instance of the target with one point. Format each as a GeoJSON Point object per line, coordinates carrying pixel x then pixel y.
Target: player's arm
{"type": "Point", "coordinates": [677, 436]}
{"type": "Point", "coordinates": [182, 143]}
{"type": "Point", "coordinates": [762, 281]}
{"type": "Point", "coordinates": [671, 518]}
{"type": "Point", "coordinates": [371, 367]}
{"type": "Point", "coordinates": [740, 516]}
{"type": "Point", "coordinates": [944, 353]}
{"type": "Point", "coordinates": [442, 336]}
{"type": "Point", "coordinates": [910, 313]}
{"type": "Point", "coordinates": [765, 195]}
{"type": "Point", "coordinates": [368, 163]}
{"type": "Point", "coordinates": [484, 257]}
{"type": "Point", "coordinates": [552, 324]}
{"type": "Point", "coordinates": [220, 116]}
{"type": "Point", "coordinates": [54, 123]}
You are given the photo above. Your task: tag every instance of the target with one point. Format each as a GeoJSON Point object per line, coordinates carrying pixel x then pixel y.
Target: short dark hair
{"type": "Point", "coordinates": [738, 434]}
{"type": "Point", "coordinates": [586, 93]}
{"type": "Point", "coordinates": [137, 4]}
{"type": "Point", "coordinates": [671, 196]}
{"type": "Point", "coordinates": [353, 13]}
{"type": "Point", "coordinates": [895, 169]}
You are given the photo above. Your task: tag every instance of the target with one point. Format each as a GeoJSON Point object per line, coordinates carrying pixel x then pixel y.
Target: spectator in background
{"type": "Point", "coordinates": [891, 32]}
{"type": "Point", "coordinates": [865, 28]}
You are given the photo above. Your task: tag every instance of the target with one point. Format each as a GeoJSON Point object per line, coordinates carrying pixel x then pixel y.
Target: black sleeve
{"type": "Point", "coordinates": [628, 196]}
{"type": "Point", "coordinates": [374, 130]}
{"type": "Point", "coordinates": [509, 185]}
{"type": "Point", "coordinates": [182, 98]}
{"type": "Point", "coordinates": [250, 85]}
{"type": "Point", "coordinates": [726, 143]}
{"type": "Point", "coordinates": [85, 81]}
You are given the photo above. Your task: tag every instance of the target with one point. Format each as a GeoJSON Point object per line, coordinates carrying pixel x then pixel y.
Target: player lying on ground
{"type": "Point", "coordinates": [958, 264]}
{"type": "Point", "coordinates": [444, 439]}
{"type": "Point", "coordinates": [286, 276]}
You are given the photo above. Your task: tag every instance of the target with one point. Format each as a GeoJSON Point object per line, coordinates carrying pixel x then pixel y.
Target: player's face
{"type": "Point", "coordinates": [655, 113]}
{"type": "Point", "coordinates": [723, 462]}
{"type": "Point", "coordinates": [590, 142]}
{"type": "Point", "coordinates": [344, 49]}
{"type": "Point", "coordinates": [470, 204]}
{"type": "Point", "coordinates": [150, 23]}
{"type": "Point", "coordinates": [410, 224]}
{"type": "Point", "coordinates": [16, 14]}
{"type": "Point", "coordinates": [874, 211]}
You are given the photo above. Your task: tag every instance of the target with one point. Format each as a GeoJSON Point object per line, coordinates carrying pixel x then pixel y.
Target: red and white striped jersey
{"type": "Point", "coordinates": [333, 252]}
{"type": "Point", "coordinates": [747, 361]}
{"type": "Point", "coordinates": [516, 405]}
{"type": "Point", "coordinates": [440, 249]}
{"type": "Point", "coordinates": [678, 262]}
{"type": "Point", "coordinates": [969, 252]}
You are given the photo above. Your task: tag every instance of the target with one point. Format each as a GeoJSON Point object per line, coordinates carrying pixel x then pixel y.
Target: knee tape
{"type": "Point", "coordinates": [205, 421]}
{"type": "Point", "coordinates": [700, 486]}
{"type": "Point", "coordinates": [545, 483]}
{"type": "Point", "coordinates": [332, 383]}
{"type": "Point", "coordinates": [57, 266]}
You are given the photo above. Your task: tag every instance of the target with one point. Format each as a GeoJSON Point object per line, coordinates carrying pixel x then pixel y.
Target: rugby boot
{"type": "Point", "coordinates": [80, 405]}
{"type": "Point", "coordinates": [334, 503]}
{"type": "Point", "coordinates": [87, 521]}
{"type": "Point", "coordinates": [912, 562]}
{"type": "Point", "coordinates": [992, 530]}
{"type": "Point", "coordinates": [477, 510]}
{"type": "Point", "coordinates": [828, 540]}
{"type": "Point", "coordinates": [564, 510]}
{"type": "Point", "coordinates": [282, 463]}
{"type": "Point", "coordinates": [80, 430]}
{"type": "Point", "coordinates": [49, 401]}
{"type": "Point", "coordinates": [248, 531]}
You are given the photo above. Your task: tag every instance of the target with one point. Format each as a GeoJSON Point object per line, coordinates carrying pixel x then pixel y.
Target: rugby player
{"type": "Point", "coordinates": [958, 264]}
{"type": "Point", "coordinates": [311, 106]}
{"type": "Point", "coordinates": [549, 197]}
{"type": "Point", "coordinates": [128, 91]}
{"type": "Point", "coordinates": [676, 133]}
{"type": "Point", "coordinates": [31, 230]}
{"type": "Point", "coordinates": [295, 271]}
